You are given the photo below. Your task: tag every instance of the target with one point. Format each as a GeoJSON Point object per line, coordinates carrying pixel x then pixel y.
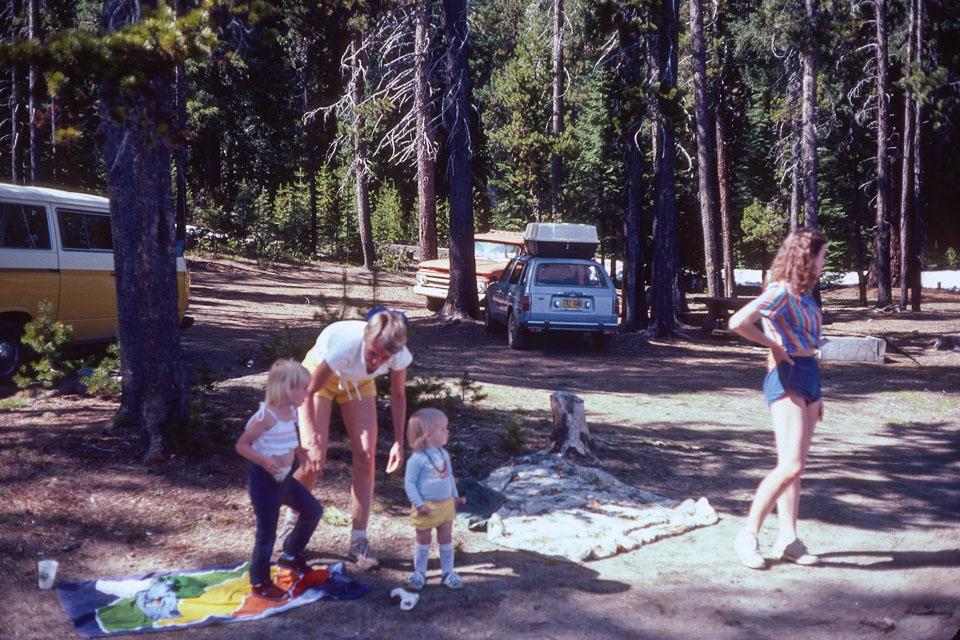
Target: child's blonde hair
{"type": "Point", "coordinates": [285, 376]}
{"type": "Point", "coordinates": [389, 328]}
{"type": "Point", "coordinates": [422, 423]}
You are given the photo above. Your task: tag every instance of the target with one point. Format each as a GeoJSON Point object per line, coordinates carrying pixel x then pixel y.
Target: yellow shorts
{"type": "Point", "coordinates": [440, 511]}
{"type": "Point", "coordinates": [350, 391]}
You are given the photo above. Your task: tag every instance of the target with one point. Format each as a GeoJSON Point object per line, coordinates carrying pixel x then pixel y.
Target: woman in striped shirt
{"type": "Point", "coordinates": [792, 327]}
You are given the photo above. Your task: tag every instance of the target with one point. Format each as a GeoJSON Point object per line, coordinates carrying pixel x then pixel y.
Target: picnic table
{"type": "Point", "coordinates": [719, 308]}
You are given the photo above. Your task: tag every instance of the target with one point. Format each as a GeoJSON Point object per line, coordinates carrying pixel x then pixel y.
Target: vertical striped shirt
{"type": "Point", "coordinates": [792, 320]}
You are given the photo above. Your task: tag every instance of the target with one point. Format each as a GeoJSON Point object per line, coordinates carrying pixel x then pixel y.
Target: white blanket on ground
{"type": "Point", "coordinates": [582, 513]}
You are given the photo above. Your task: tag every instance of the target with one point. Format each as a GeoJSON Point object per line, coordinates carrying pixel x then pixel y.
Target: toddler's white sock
{"type": "Point", "coordinates": [421, 555]}
{"type": "Point", "coordinates": [446, 557]}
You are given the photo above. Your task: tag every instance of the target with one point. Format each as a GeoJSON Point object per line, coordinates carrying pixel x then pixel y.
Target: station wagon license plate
{"type": "Point", "coordinates": [567, 303]}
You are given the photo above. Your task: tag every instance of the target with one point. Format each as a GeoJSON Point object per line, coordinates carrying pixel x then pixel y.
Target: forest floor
{"type": "Point", "coordinates": [682, 417]}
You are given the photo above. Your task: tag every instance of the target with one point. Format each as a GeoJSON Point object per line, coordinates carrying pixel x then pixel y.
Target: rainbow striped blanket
{"type": "Point", "coordinates": [163, 600]}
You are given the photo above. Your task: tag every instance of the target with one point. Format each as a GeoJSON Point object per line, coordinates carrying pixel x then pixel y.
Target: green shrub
{"type": "Point", "coordinates": [469, 389]}
{"type": "Point", "coordinates": [335, 517]}
{"type": "Point", "coordinates": [950, 259]}
{"type": "Point", "coordinates": [203, 430]}
{"type": "Point", "coordinates": [46, 337]}
{"type": "Point", "coordinates": [285, 344]}
{"type": "Point", "coordinates": [104, 381]}
{"type": "Point", "coordinates": [513, 437]}
{"type": "Point", "coordinates": [205, 427]}
{"type": "Point", "coordinates": [389, 218]}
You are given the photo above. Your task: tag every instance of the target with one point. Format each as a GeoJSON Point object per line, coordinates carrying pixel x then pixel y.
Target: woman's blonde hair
{"type": "Point", "coordinates": [422, 423]}
{"type": "Point", "coordinates": [794, 260]}
{"type": "Point", "coordinates": [285, 376]}
{"type": "Point", "coordinates": [389, 328]}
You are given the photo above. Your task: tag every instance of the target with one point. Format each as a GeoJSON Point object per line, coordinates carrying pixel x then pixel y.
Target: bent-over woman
{"type": "Point", "coordinates": [346, 358]}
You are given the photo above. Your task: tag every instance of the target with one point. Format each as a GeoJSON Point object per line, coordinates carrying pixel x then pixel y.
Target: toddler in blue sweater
{"type": "Point", "coordinates": [433, 493]}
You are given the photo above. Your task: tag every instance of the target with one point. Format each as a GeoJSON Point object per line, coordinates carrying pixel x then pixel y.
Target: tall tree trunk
{"type": "Point", "coordinates": [36, 141]}
{"type": "Point", "coordinates": [307, 80]}
{"type": "Point", "coordinates": [142, 220]}
{"type": "Point", "coordinates": [556, 125]}
{"type": "Point", "coordinates": [726, 200]}
{"type": "Point", "coordinates": [906, 167]}
{"type": "Point", "coordinates": [706, 161]}
{"type": "Point", "coordinates": [665, 227]}
{"type": "Point", "coordinates": [180, 150]}
{"type": "Point", "coordinates": [882, 249]}
{"type": "Point", "coordinates": [809, 114]}
{"type": "Point", "coordinates": [426, 162]}
{"type": "Point", "coordinates": [309, 134]}
{"type": "Point", "coordinates": [856, 209]}
{"type": "Point", "coordinates": [462, 294]}
{"type": "Point", "coordinates": [17, 137]}
{"type": "Point", "coordinates": [859, 261]}
{"type": "Point", "coordinates": [360, 153]}
{"type": "Point", "coordinates": [918, 235]}
{"type": "Point", "coordinates": [634, 302]}
{"type": "Point", "coordinates": [796, 126]}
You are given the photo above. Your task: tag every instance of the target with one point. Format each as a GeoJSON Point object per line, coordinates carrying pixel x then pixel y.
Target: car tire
{"type": "Point", "coordinates": [435, 304]}
{"type": "Point", "coordinates": [515, 336]}
{"type": "Point", "coordinates": [11, 351]}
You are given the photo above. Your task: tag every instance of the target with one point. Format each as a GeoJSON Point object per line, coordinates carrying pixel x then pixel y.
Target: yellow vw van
{"type": "Point", "coordinates": [57, 246]}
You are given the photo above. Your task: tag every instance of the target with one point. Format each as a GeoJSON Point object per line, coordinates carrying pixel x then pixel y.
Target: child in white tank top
{"type": "Point", "coordinates": [271, 443]}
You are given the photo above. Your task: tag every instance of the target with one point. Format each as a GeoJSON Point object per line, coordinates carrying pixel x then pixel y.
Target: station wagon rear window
{"type": "Point", "coordinates": [23, 226]}
{"type": "Point", "coordinates": [85, 230]}
{"type": "Point", "coordinates": [562, 274]}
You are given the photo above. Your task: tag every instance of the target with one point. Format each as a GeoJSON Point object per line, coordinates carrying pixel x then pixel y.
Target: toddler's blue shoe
{"type": "Point", "coordinates": [416, 581]}
{"type": "Point", "coordinates": [451, 580]}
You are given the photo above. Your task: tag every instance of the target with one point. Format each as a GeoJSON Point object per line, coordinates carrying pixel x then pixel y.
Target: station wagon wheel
{"type": "Point", "coordinates": [514, 332]}
{"type": "Point", "coordinates": [10, 350]}
{"type": "Point", "coordinates": [435, 304]}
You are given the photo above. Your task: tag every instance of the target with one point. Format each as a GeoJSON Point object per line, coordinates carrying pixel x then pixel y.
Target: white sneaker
{"type": "Point", "coordinates": [748, 550]}
{"type": "Point", "coordinates": [362, 554]}
{"type": "Point", "coordinates": [797, 553]}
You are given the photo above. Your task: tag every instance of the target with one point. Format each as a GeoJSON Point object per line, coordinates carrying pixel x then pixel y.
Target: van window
{"type": "Point", "coordinates": [515, 278]}
{"type": "Point", "coordinates": [84, 230]}
{"type": "Point", "coordinates": [569, 274]}
{"type": "Point", "coordinates": [23, 226]}
{"type": "Point", "coordinates": [505, 274]}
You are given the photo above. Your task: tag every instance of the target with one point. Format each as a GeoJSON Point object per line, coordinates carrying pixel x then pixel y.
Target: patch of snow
{"type": "Point", "coordinates": [948, 280]}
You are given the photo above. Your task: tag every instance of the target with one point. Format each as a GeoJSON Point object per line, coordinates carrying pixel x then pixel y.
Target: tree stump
{"type": "Point", "coordinates": [570, 430]}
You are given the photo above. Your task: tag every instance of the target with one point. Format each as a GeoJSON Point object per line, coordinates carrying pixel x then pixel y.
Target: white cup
{"type": "Point", "coordinates": [48, 573]}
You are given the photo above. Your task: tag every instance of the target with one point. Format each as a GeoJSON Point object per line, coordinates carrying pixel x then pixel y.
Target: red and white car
{"type": "Point", "coordinates": [492, 250]}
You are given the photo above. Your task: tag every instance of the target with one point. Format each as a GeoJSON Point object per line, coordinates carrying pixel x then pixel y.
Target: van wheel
{"type": "Point", "coordinates": [11, 351]}
{"type": "Point", "coordinates": [435, 304]}
{"type": "Point", "coordinates": [514, 332]}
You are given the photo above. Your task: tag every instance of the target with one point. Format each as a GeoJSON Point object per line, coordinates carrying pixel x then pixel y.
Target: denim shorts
{"type": "Point", "coordinates": [801, 378]}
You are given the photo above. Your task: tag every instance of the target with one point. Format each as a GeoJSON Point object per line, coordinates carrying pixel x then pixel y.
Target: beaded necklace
{"type": "Point", "coordinates": [442, 468]}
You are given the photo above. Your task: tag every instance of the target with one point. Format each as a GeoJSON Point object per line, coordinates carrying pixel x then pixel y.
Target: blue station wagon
{"type": "Point", "coordinates": [536, 294]}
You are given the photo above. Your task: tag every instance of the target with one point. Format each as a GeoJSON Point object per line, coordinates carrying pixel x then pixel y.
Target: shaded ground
{"type": "Point", "coordinates": [682, 418]}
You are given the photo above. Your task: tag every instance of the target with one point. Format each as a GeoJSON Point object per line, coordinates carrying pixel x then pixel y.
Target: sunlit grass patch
{"type": "Point", "coordinates": [14, 402]}
{"type": "Point", "coordinates": [921, 405]}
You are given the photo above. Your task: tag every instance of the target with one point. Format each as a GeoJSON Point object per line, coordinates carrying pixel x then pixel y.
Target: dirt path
{"type": "Point", "coordinates": [682, 418]}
